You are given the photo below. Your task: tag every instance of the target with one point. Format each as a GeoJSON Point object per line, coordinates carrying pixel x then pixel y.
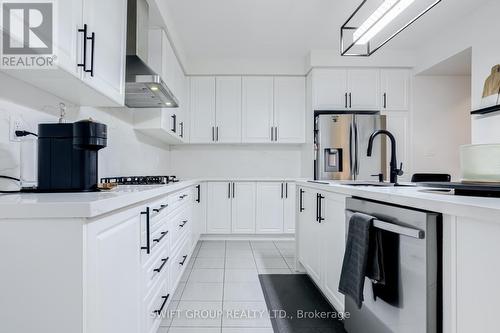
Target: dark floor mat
{"type": "Point", "coordinates": [296, 294]}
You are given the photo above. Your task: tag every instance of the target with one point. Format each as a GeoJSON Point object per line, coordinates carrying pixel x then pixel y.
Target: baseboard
{"type": "Point", "coordinates": [248, 237]}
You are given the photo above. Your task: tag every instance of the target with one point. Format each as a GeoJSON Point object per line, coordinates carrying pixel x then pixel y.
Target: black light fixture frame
{"type": "Point", "coordinates": [344, 51]}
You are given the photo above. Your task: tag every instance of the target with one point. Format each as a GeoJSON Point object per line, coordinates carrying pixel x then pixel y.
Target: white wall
{"type": "Point", "coordinates": [441, 122]}
{"type": "Point", "coordinates": [479, 31]}
{"type": "Point", "coordinates": [128, 153]}
{"type": "Point", "coordinates": [194, 161]}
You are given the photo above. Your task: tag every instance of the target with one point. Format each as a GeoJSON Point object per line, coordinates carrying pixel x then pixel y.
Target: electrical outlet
{"type": "Point", "coordinates": [16, 124]}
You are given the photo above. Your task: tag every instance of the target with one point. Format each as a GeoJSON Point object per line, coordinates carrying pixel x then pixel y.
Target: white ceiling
{"type": "Point", "coordinates": [283, 30]}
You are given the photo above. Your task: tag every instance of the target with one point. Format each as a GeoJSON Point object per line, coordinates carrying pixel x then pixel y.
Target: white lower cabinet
{"type": "Point", "coordinates": [243, 208]}
{"type": "Point", "coordinates": [274, 200]}
{"type": "Point", "coordinates": [219, 208]}
{"type": "Point", "coordinates": [321, 240]}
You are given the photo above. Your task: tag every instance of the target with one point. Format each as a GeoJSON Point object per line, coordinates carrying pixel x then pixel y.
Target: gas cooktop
{"type": "Point", "coordinates": [140, 180]}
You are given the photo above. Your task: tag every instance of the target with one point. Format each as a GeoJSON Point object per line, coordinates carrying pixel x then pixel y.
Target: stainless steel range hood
{"type": "Point", "coordinates": [144, 88]}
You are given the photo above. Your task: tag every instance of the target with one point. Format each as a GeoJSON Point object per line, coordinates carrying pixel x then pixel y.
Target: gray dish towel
{"type": "Point", "coordinates": [362, 258]}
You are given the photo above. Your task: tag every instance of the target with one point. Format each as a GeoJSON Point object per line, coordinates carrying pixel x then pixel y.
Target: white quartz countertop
{"type": "Point", "coordinates": [81, 205]}
{"type": "Point", "coordinates": [421, 198]}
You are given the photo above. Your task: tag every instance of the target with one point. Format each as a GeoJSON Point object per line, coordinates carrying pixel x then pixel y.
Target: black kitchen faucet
{"type": "Point", "coordinates": [395, 172]}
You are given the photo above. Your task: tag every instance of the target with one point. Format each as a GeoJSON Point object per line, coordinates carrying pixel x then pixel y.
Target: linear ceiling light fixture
{"type": "Point", "coordinates": [374, 24]}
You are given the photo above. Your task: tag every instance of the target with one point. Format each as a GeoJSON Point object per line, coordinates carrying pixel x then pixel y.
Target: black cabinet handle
{"type": "Point", "coordinates": [217, 133]}
{"type": "Point", "coordinates": [181, 124]}
{"type": "Point", "coordinates": [198, 187]}
{"type": "Point", "coordinates": [91, 71]}
{"type": "Point", "coordinates": [233, 190]}
{"type": "Point", "coordinates": [164, 262]}
{"type": "Point", "coordinates": [281, 190]}
{"type": "Point", "coordinates": [165, 299]}
{"type": "Point", "coordinates": [163, 234]}
{"type": "Point", "coordinates": [286, 190]}
{"type": "Point", "coordinates": [350, 100]}
{"type": "Point", "coordinates": [229, 190]}
{"type": "Point", "coordinates": [385, 100]}
{"type": "Point", "coordinates": [183, 196]}
{"type": "Point", "coordinates": [183, 261]}
{"type": "Point", "coordinates": [162, 207]}
{"type": "Point", "coordinates": [301, 194]}
{"type": "Point", "coordinates": [183, 223]}
{"type": "Point", "coordinates": [84, 63]}
{"type": "Point", "coordinates": [346, 100]}
{"type": "Point", "coordinates": [317, 207]}
{"type": "Point", "coordinates": [272, 133]}
{"type": "Point", "coordinates": [148, 241]}
{"type": "Point", "coordinates": [213, 133]}
{"type": "Point", "coordinates": [174, 123]}
{"type": "Point", "coordinates": [320, 218]}
{"type": "Point", "coordinates": [276, 133]}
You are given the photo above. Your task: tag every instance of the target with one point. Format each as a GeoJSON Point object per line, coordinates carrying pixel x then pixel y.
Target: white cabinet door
{"type": "Point", "coordinates": [219, 208]}
{"type": "Point", "coordinates": [395, 89]}
{"type": "Point", "coordinates": [398, 123]}
{"type": "Point", "coordinates": [309, 235]}
{"type": "Point", "coordinates": [202, 109]}
{"type": "Point", "coordinates": [257, 121]}
{"type": "Point", "coordinates": [107, 19]}
{"type": "Point", "coordinates": [200, 209]}
{"type": "Point", "coordinates": [243, 208]}
{"type": "Point", "coordinates": [289, 109]}
{"type": "Point", "coordinates": [289, 213]}
{"type": "Point", "coordinates": [113, 273]}
{"type": "Point", "coordinates": [363, 88]}
{"type": "Point", "coordinates": [329, 89]}
{"type": "Point", "coordinates": [333, 234]}
{"type": "Point", "coordinates": [68, 48]}
{"type": "Point", "coordinates": [270, 207]}
{"type": "Point", "coordinates": [228, 109]}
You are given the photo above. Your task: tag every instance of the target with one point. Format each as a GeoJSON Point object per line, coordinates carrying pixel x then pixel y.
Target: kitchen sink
{"type": "Point", "coordinates": [362, 183]}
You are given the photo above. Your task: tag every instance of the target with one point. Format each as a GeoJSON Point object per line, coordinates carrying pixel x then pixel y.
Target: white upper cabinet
{"type": "Point", "coordinates": [363, 88]}
{"type": "Point", "coordinates": [243, 208]}
{"type": "Point", "coordinates": [68, 42]}
{"type": "Point", "coordinates": [228, 109]}
{"type": "Point", "coordinates": [395, 89]}
{"type": "Point", "coordinates": [202, 105]}
{"type": "Point", "coordinates": [257, 109]}
{"type": "Point", "coordinates": [330, 89]}
{"type": "Point", "coordinates": [289, 109]}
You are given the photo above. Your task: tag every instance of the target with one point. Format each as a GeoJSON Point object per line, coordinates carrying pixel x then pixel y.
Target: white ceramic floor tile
{"type": "Point", "coordinates": [275, 271]}
{"type": "Point", "coordinates": [178, 291]}
{"type": "Point", "coordinates": [185, 275]}
{"type": "Point", "coordinates": [238, 245]}
{"type": "Point", "coordinates": [194, 330]}
{"type": "Point", "coordinates": [290, 261]}
{"type": "Point", "coordinates": [246, 330]}
{"type": "Point", "coordinates": [264, 253]}
{"type": "Point", "coordinates": [202, 292]}
{"type": "Point", "coordinates": [213, 245]}
{"type": "Point", "coordinates": [256, 310]}
{"type": "Point", "coordinates": [239, 253]}
{"type": "Point", "coordinates": [245, 262]}
{"type": "Point", "coordinates": [271, 263]}
{"type": "Point", "coordinates": [241, 275]}
{"type": "Point", "coordinates": [211, 253]}
{"type": "Point", "coordinates": [162, 330]}
{"type": "Point", "coordinates": [287, 252]}
{"type": "Point", "coordinates": [212, 275]}
{"type": "Point", "coordinates": [263, 245]}
{"type": "Point", "coordinates": [185, 314]}
{"type": "Point", "coordinates": [209, 263]}
{"type": "Point", "coordinates": [243, 291]}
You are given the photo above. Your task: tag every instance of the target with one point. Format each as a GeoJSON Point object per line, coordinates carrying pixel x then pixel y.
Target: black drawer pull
{"type": "Point", "coordinates": [301, 205]}
{"type": "Point", "coordinates": [164, 262]}
{"type": "Point", "coordinates": [162, 207]}
{"type": "Point", "coordinates": [183, 223]}
{"type": "Point", "coordinates": [183, 261]}
{"type": "Point", "coordinates": [165, 300]}
{"type": "Point", "coordinates": [320, 217]}
{"type": "Point", "coordinates": [183, 196]}
{"type": "Point", "coordinates": [163, 234]}
{"type": "Point", "coordinates": [148, 241]}
{"type": "Point", "coordinates": [198, 187]}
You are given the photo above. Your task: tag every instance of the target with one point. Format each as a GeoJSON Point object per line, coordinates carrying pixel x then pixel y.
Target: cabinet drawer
{"type": "Point", "coordinates": [157, 238]}
{"type": "Point", "coordinates": [180, 225]}
{"type": "Point", "coordinates": [179, 262]}
{"type": "Point", "coordinates": [177, 199]}
{"type": "Point", "coordinates": [159, 211]}
{"type": "Point", "coordinates": [157, 268]}
{"type": "Point", "coordinates": [156, 306]}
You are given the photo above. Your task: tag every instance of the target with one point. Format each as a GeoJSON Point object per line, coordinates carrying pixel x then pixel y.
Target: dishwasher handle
{"type": "Point", "coordinates": [396, 228]}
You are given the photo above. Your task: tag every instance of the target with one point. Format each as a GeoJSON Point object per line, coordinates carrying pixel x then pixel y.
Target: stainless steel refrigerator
{"type": "Point", "coordinates": [341, 143]}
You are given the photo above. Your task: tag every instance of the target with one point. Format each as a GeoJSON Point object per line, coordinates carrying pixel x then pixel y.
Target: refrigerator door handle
{"type": "Point", "coordinates": [351, 171]}
{"type": "Point", "coordinates": [356, 149]}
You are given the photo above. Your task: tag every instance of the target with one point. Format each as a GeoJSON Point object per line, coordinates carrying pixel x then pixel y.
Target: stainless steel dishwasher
{"type": "Point", "coordinates": [418, 306]}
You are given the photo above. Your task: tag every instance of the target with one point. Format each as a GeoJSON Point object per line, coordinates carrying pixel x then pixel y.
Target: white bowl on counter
{"type": "Point", "coordinates": [480, 163]}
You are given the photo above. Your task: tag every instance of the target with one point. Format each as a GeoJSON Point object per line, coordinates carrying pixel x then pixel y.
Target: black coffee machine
{"type": "Point", "coordinates": [67, 156]}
